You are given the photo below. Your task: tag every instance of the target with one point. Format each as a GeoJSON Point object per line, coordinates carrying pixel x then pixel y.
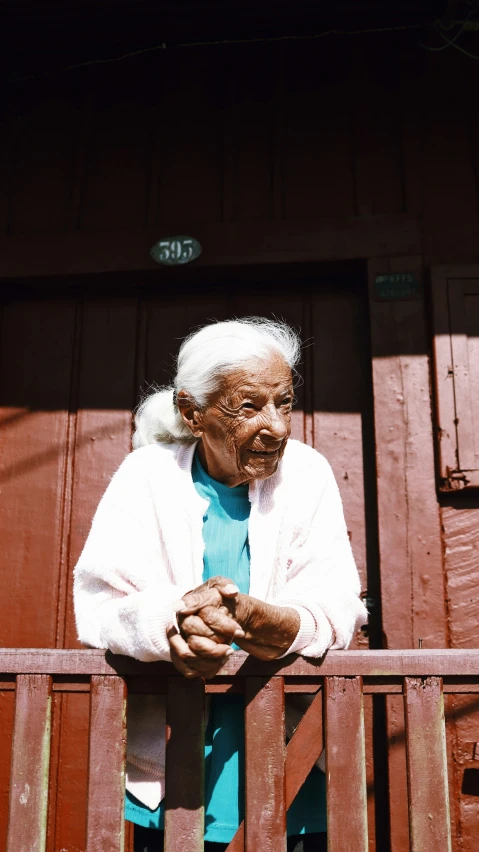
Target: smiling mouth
{"type": "Point", "coordinates": [265, 452]}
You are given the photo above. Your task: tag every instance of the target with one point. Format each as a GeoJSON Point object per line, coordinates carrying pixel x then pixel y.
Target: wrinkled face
{"type": "Point", "coordinates": [247, 423]}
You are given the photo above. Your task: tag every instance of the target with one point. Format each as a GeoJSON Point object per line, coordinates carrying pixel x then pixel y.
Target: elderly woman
{"type": "Point", "coordinates": [218, 529]}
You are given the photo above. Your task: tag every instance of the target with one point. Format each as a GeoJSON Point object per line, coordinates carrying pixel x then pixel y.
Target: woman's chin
{"type": "Point", "coordinates": [262, 468]}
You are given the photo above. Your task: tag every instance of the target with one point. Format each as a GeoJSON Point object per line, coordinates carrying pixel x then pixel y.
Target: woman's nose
{"type": "Point", "coordinates": [275, 424]}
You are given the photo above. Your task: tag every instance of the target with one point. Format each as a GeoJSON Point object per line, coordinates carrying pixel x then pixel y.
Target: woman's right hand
{"type": "Point", "coordinates": [206, 628]}
{"type": "Point", "coordinates": [197, 657]}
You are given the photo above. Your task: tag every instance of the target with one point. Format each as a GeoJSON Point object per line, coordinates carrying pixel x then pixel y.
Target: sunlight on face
{"type": "Point", "coordinates": [247, 423]}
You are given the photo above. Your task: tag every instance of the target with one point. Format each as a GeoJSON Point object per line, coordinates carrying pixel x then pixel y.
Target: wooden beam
{"type": "Point", "coordinates": [400, 663]}
{"type": "Point", "coordinates": [224, 244]}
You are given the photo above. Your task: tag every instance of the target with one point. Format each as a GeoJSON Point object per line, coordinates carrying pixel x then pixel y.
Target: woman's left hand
{"type": "Point", "coordinates": [215, 592]}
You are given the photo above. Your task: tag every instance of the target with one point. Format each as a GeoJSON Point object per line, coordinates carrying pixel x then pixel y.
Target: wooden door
{"type": "Point", "coordinates": [71, 372]}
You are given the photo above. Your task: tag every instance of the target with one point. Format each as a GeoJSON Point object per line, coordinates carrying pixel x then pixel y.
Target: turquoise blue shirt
{"type": "Point", "coordinates": [225, 534]}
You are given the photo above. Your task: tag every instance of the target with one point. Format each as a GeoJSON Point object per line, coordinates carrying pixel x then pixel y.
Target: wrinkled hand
{"type": "Point", "coordinates": [197, 657]}
{"type": "Point", "coordinates": [212, 622]}
{"type": "Point", "coordinates": [206, 629]}
{"type": "Point", "coordinates": [217, 591]}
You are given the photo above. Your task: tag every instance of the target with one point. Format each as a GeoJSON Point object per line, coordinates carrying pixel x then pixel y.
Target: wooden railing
{"type": "Point", "coordinates": [274, 771]}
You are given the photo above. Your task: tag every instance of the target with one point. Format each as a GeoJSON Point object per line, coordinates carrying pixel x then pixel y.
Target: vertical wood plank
{"type": "Point", "coordinates": [375, 126]}
{"type": "Point", "coordinates": [7, 128]}
{"type": "Point", "coordinates": [443, 374]}
{"type": "Point", "coordinates": [316, 153]}
{"type": "Point", "coordinates": [429, 822]}
{"type": "Point", "coordinates": [7, 716]}
{"type": "Point", "coordinates": [106, 770]}
{"type": "Point", "coordinates": [464, 315]}
{"type": "Point", "coordinates": [69, 784]}
{"type": "Point", "coordinates": [265, 800]}
{"type": "Point", "coordinates": [190, 175]}
{"type": "Point", "coordinates": [36, 347]}
{"type": "Point", "coordinates": [184, 806]}
{"type": "Point", "coordinates": [449, 177]}
{"type": "Point", "coordinates": [104, 396]}
{"type": "Point", "coordinates": [103, 380]}
{"type": "Point", "coordinates": [346, 765]}
{"type": "Point", "coordinates": [247, 151]}
{"type": "Point", "coordinates": [27, 827]}
{"type": "Point", "coordinates": [411, 562]}
{"type": "Point", "coordinates": [412, 579]}
{"type": "Point", "coordinates": [340, 401]}
{"type": "Point", "coordinates": [42, 164]}
{"type": "Point", "coordinates": [115, 143]}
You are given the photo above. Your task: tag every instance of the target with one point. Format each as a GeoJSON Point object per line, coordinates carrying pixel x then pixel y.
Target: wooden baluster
{"type": "Point", "coordinates": [429, 821]}
{"type": "Point", "coordinates": [346, 765]}
{"type": "Point", "coordinates": [184, 813]}
{"type": "Point", "coordinates": [302, 753]}
{"type": "Point", "coordinates": [27, 826]}
{"type": "Point", "coordinates": [265, 807]}
{"type": "Point", "coordinates": [106, 768]}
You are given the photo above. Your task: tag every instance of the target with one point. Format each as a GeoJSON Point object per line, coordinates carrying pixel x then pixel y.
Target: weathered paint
{"type": "Point", "coordinates": [302, 752]}
{"type": "Point", "coordinates": [266, 768]}
{"type": "Point", "coordinates": [411, 569]}
{"type": "Point", "coordinates": [345, 765]}
{"type": "Point", "coordinates": [381, 664]}
{"type": "Point", "coordinates": [455, 301]}
{"type": "Point", "coordinates": [265, 804]}
{"type": "Point", "coordinates": [429, 817]}
{"type": "Point", "coordinates": [106, 772]}
{"type": "Point", "coordinates": [185, 735]}
{"type": "Point", "coordinates": [27, 827]}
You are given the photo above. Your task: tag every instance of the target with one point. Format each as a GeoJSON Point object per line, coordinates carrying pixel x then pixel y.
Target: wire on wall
{"type": "Point", "coordinates": [216, 42]}
{"type": "Point", "coordinates": [441, 28]}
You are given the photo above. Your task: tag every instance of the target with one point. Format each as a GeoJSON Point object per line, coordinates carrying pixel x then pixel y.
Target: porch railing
{"type": "Point", "coordinates": [274, 771]}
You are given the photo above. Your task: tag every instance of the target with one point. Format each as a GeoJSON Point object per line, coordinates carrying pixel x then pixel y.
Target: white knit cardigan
{"type": "Point", "coordinates": [145, 550]}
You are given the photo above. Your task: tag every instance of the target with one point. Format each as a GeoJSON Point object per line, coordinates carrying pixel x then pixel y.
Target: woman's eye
{"type": "Point", "coordinates": [287, 401]}
{"type": "Point", "coordinates": [248, 405]}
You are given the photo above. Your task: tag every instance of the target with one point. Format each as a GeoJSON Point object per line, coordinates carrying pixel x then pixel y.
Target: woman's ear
{"type": "Point", "coordinates": [190, 413]}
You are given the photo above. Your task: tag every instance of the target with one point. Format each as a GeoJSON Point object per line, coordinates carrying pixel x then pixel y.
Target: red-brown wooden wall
{"type": "Point", "coordinates": [315, 153]}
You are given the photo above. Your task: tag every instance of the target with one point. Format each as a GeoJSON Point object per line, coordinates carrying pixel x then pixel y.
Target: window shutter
{"type": "Point", "coordinates": [455, 299]}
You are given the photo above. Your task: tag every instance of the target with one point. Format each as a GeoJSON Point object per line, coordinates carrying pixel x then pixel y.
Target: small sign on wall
{"type": "Point", "coordinates": [397, 286]}
{"type": "Point", "coordinates": [175, 251]}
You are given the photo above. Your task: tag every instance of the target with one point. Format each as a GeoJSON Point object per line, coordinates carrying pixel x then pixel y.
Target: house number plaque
{"type": "Point", "coordinates": [175, 251]}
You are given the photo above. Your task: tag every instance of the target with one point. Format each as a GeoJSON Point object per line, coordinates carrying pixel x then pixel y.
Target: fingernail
{"type": "Point", "coordinates": [231, 589]}
{"type": "Point", "coordinates": [239, 634]}
{"type": "Point", "coordinates": [229, 652]}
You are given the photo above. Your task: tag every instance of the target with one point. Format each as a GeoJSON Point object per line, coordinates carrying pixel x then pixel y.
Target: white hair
{"type": "Point", "coordinates": [204, 358]}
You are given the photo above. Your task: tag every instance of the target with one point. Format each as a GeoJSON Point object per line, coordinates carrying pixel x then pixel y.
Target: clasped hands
{"type": "Point", "coordinates": [207, 627]}
{"type": "Point", "coordinates": [214, 615]}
